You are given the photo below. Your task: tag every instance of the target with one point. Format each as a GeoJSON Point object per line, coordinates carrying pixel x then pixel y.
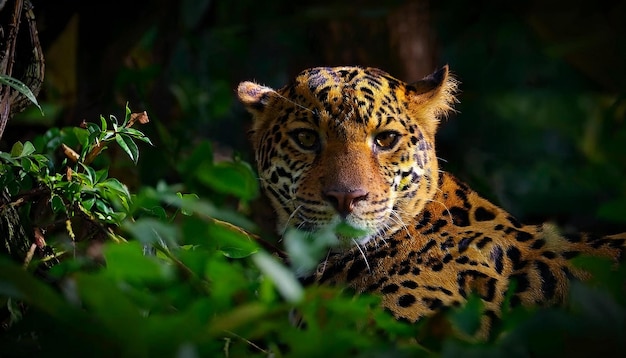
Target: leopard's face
{"type": "Point", "coordinates": [348, 144]}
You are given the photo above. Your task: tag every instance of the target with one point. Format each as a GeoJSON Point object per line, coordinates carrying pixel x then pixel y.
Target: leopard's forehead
{"type": "Point", "coordinates": [347, 77]}
{"type": "Point", "coordinates": [353, 94]}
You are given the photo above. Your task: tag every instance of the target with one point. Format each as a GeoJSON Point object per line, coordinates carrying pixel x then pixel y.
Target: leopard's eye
{"type": "Point", "coordinates": [386, 140]}
{"type": "Point", "coordinates": [306, 138]}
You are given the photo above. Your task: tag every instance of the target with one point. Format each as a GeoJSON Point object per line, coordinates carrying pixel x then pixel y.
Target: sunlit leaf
{"type": "Point", "coordinates": [116, 187]}
{"type": "Point", "coordinates": [21, 88]}
{"type": "Point", "coordinates": [114, 123]}
{"type": "Point", "coordinates": [127, 113]}
{"type": "Point", "coordinates": [7, 157]}
{"type": "Point", "coordinates": [307, 249]}
{"type": "Point", "coordinates": [88, 203]}
{"type": "Point", "coordinates": [28, 149]}
{"type": "Point", "coordinates": [103, 123]}
{"type": "Point", "coordinates": [128, 145]}
{"type": "Point", "coordinates": [284, 280]}
{"type": "Point", "coordinates": [136, 134]}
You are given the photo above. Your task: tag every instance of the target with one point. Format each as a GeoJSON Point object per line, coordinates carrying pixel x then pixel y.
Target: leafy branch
{"type": "Point", "coordinates": [60, 196]}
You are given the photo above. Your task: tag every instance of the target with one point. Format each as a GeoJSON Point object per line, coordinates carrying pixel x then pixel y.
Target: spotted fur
{"type": "Point", "coordinates": [355, 145]}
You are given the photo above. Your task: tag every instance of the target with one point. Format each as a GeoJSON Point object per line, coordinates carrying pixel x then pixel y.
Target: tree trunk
{"type": "Point", "coordinates": [21, 58]}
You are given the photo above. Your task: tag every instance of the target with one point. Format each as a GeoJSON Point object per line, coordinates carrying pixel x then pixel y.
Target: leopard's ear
{"type": "Point", "coordinates": [433, 97]}
{"type": "Point", "coordinates": [254, 96]}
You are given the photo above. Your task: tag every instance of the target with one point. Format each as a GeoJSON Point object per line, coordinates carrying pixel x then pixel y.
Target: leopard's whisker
{"type": "Point", "coordinates": [291, 216]}
{"type": "Point", "coordinates": [294, 103]}
{"type": "Point", "coordinates": [444, 206]}
{"type": "Point", "coordinates": [362, 254]}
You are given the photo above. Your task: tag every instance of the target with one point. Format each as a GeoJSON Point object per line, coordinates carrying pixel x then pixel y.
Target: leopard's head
{"type": "Point", "coordinates": [348, 144]}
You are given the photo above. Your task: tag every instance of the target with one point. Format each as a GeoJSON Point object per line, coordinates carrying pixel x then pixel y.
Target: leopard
{"type": "Point", "coordinates": [353, 145]}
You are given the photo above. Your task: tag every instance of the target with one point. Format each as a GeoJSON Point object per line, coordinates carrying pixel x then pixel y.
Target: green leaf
{"type": "Point", "coordinates": [136, 134]}
{"type": "Point", "coordinates": [306, 250]}
{"type": "Point", "coordinates": [128, 145]}
{"type": "Point", "coordinates": [26, 164]}
{"type": "Point", "coordinates": [88, 203]}
{"type": "Point", "coordinates": [187, 198]}
{"type": "Point", "coordinates": [50, 140]}
{"type": "Point", "coordinates": [103, 123]}
{"type": "Point", "coordinates": [236, 178]}
{"type": "Point", "coordinates": [346, 230]}
{"type": "Point", "coordinates": [113, 120]}
{"type": "Point", "coordinates": [7, 158]}
{"type": "Point", "coordinates": [82, 136]}
{"type": "Point", "coordinates": [114, 191]}
{"type": "Point", "coordinates": [232, 243]}
{"type": "Point", "coordinates": [127, 113]}
{"type": "Point", "coordinates": [57, 203]}
{"type": "Point", "coordinates": [107, 303]}
{"type": "Point", "coordinates": [127, 262]}
{"type": "Point", "coordinates": [152, 231]}
{"type": "Point", "coordinates": [90, 174]}
{"type": "Point", "coordinates": [116, 187]}
{"type": "Point", "coordinates": [21, 88]}
{"type": "Point", "coordinates": [16, 150]}
{"type": "Point", "coordinates": [101, 175]}
{"type": "Point", "coordinates": [93, 128]}
{"type": "Point", "coordinates": [283, 279]}
{"type": "Point", "coordinates": [28, 149]}
{"type": "Point", "coordinates": [106, 136]}
{"type": "Point", "coordinates": [104, 208]}
{"type": "Point", "coordinates": [468, 317]}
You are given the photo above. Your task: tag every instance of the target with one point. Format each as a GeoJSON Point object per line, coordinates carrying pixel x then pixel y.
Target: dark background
{"type": "Point", "coordinates": [540, 130]}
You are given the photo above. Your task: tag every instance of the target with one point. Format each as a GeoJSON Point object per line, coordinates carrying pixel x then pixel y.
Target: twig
{"type": "Point", "coordinates": [247, 341]}
{"type": "Point", "coordinates": [264, 243]}
{"type": "Point", "coordinates": [29, 255]}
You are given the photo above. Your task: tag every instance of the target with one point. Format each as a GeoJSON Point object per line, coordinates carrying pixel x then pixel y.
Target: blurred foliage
{"type": "Point", "coordinates": [540, 130]}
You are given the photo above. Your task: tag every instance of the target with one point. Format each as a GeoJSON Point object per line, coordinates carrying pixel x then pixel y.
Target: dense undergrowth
{"type": "Point", "coordinates": [166, 272]}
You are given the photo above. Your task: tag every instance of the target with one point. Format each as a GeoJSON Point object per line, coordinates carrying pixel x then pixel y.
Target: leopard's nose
{"type": "Point", "coordinates": [344, 200]}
